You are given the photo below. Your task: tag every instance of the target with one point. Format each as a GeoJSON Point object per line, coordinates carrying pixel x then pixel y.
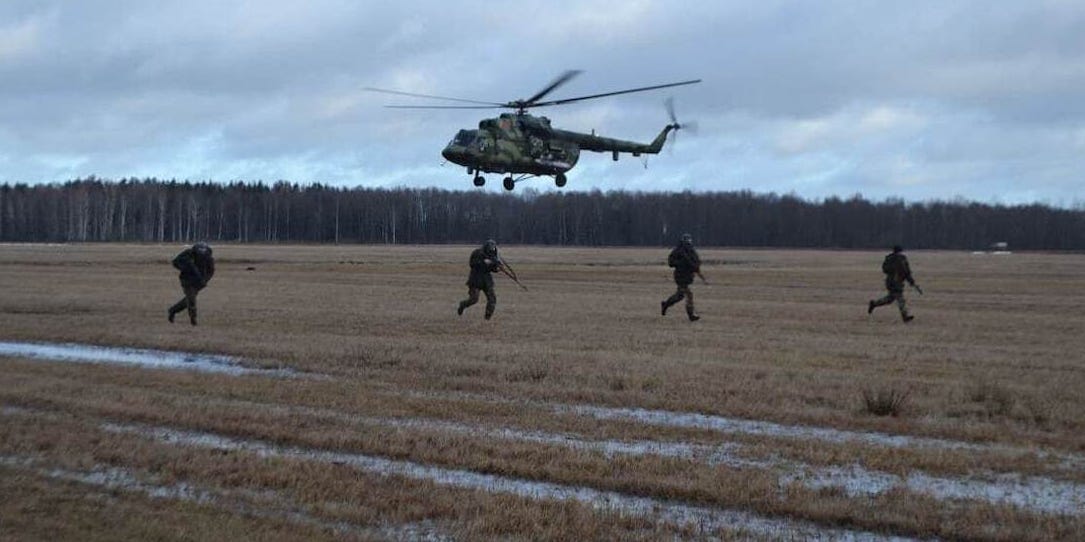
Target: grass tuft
{"type": "Point", "coordinates": [885, 401]}
{"type": "Point", "coordinates": [997, 399]}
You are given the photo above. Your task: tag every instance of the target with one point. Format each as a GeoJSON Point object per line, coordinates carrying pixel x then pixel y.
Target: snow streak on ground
{"type": "Point", "coordinates": [739, 426]}
{"type": "Point", "coordinates": [708, 520]}
{"type": "Point", "coordinates": [155, 359]}
{"type": "Point", "coordinates": [1030, 492]}
{"type": "Point", "coordinates": [265, 504]}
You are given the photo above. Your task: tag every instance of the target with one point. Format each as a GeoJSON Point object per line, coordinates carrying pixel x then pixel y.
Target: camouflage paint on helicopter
{"type": "Point", "coordinates": [526, 145]}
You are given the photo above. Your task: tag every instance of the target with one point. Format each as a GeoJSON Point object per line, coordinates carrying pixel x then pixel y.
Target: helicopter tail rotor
{"type": "Point", "coordinates": [675, 125]}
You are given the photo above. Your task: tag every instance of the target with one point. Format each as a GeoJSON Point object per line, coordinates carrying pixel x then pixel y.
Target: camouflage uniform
{"type": "Point", "coordinates": [686, 262]}
{"type": "Point", "coordinates": [483, 261]}
{"type": "Point", "coordinates": [197, 266]}
{"type": "Point", "coordinates": [897, 272]}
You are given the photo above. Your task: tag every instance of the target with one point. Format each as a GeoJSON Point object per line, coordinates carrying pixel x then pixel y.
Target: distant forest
{"type": "Point", "coordinates": [152, 210]}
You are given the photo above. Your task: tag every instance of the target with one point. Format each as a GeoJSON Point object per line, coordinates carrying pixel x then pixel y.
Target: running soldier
{"type": "Point", "coordinates": [686, 263]}
{"type": "Point", "coordinates": [484, 260]}
{"type": "Point", "coordinates": [197, 266]}
{"type": "Point", "coordinates": [897, 272]}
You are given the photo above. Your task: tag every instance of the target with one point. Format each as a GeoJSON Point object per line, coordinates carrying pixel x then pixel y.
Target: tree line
{"type": "Point", "coordinates": [153, 210]}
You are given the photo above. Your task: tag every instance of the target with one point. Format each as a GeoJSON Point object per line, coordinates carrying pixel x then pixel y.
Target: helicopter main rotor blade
{"type": "Point", "coordinates": [561, 80]}
{"type": "Point", "coordinates": [444, 106]}
{"type": "Point", "coordinates": [593, 96]}
{"type": "Point", "coordinates": [414, 95]}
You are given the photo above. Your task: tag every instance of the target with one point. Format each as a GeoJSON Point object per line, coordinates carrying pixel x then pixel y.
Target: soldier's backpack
{"type": "Point", "coordinates": [889, 265]}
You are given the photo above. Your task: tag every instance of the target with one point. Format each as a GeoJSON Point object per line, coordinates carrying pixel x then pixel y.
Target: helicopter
{"type": "Point", "coordinates": [521, 146]}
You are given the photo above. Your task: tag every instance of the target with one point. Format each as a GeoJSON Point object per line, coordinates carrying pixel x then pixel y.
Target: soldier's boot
{"type": "Point", "coordinates": [904, 310]}
{"type": "Point", "coordinates": [879, 302]}
{"type": "Point", "coordinates": [177, 307]}
{"type": "Point", "coordinates": [674, 298]}
{"type": "Point", "coordinates": [192, 315]}
{"type": "Point", "coordinates": [489, 311]}
{"type": "Point", "coordinates": [692, 317]}
{"type": "Point", "coordinates": [466, 303]}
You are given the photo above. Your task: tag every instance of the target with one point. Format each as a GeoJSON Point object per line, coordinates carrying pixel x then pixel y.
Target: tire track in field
{"type": "Point", "coordinates": [1034, 493]}
{"type": "Point", "coordinates": [740, 426]}
{"type": "Point", "coordinates": [1030, 492]}
{"type": "Point", "coordinates": [264, 504]}
{"type": "Point", "coordinates": [177, 360]}
{"type": "Point", "coordinates": [706, 520]}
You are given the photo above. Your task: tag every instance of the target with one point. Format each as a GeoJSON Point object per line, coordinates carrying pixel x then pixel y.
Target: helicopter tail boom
{"type": "Point", "coordinates": [594, 143]}
{"type": "Point", "coordinates": [657, 143]}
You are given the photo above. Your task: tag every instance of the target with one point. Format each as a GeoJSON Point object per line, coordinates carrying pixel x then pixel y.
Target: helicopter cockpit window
{"type": "Point", "coordinates": [464, 137]}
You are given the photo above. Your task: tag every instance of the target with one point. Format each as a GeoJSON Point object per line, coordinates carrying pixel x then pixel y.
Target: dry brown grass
{"type": "Point", "coordinates": [994, 356]}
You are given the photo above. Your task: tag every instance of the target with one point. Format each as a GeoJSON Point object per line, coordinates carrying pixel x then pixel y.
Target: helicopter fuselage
{"type": "Point", "coordinates": [528, 145]}
{"type": "Point", "coordinates": [520, 146]}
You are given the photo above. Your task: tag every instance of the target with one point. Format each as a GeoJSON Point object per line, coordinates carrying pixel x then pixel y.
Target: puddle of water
{"type": "Point", "coordinates": [155, 359]}
{"type": "Point", "coordinates": [706, 519]}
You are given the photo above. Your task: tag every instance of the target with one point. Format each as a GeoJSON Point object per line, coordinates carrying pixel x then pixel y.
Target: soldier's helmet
{"type": "Point", "coordinates": [202, 248]}
{"type": "Point", "coordinates": [489, 247]}
{"type": "Point", "coordinates": [687, 239]}
{"type": "Point", "coordinates": [897, 248]}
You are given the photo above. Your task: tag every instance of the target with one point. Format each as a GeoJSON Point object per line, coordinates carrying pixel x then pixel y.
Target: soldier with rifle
{"type": "Point", "coordinates": [897, 272]}
{"type": "Point", "coordinates": [197, 266]}
{"type": "Point", "coordinates": [686, 263]}
{"type": "Point", "coordinates": [484, 261]}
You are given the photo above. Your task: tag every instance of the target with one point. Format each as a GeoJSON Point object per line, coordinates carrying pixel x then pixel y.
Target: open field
{"type": "Point", "coordinates": [366, 409]}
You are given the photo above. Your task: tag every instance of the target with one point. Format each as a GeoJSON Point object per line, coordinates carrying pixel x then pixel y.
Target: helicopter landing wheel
{"type": "Point", "coordinates": [480, 180]}
{"type": "Point", "coordinates": [560, 180]}
{"type": "Point", "coordinates": [509, 183]}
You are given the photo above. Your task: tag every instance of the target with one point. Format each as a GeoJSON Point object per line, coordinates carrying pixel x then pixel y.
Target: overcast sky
{"type": "Point", "coordinates": [921, 100]}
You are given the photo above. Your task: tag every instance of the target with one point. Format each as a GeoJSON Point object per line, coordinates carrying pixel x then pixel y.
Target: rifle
{"type": "Point", "coordinates": [507, 270]}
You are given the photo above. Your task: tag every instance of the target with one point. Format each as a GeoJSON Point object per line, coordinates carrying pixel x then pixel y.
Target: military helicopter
{"type": "Point", "coordinates": [522, 146]}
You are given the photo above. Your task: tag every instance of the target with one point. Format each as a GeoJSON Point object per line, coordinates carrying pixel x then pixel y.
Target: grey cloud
{"type": "Point", "coordinates": [986, 97]}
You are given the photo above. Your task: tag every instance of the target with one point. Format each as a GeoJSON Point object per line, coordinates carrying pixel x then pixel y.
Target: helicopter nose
{"type": "Point", "coordinates": [453, 154]}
